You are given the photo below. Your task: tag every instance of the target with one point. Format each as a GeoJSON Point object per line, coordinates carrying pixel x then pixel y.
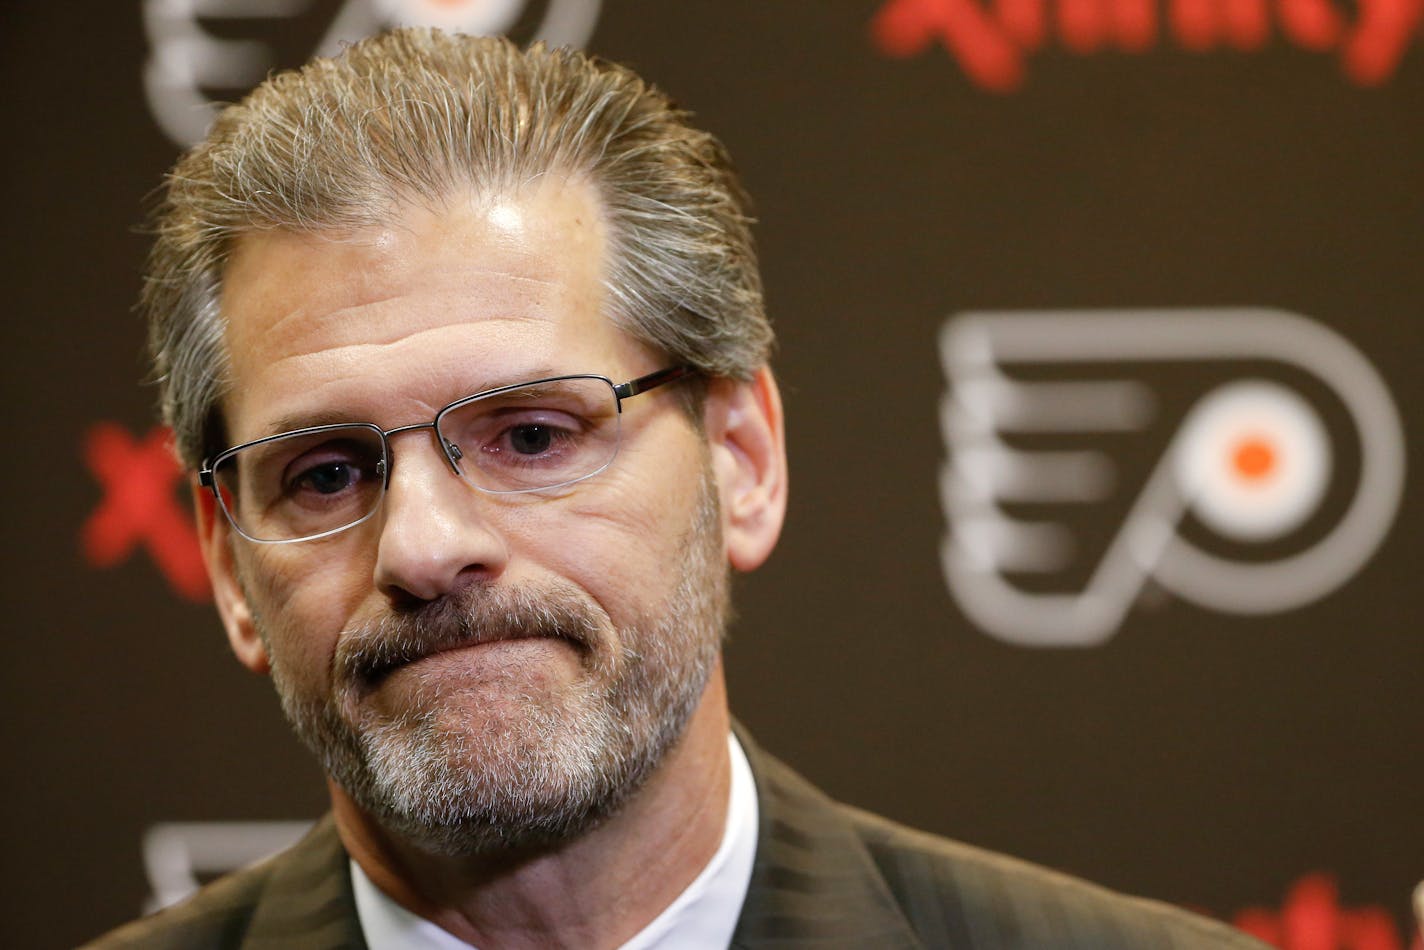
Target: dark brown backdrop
{"type": "Point", "coordinates": [1206, 758]}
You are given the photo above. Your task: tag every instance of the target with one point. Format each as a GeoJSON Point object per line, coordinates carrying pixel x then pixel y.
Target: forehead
{"type": "Point", "coordinates": [440, 301]}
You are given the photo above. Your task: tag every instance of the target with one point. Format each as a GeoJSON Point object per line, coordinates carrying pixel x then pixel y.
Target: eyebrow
{"type": "Point", "coordinates": [294, 421]}
{"type": "Point", "coordinates": [307, 420]}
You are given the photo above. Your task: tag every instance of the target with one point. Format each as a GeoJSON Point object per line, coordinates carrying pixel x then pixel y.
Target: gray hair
{"type": "Point", "coordinates": [412, 115]}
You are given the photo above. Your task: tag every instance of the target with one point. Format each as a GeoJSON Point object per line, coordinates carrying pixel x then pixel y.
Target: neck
{"type": "Point", "coordinates": [595, 891]}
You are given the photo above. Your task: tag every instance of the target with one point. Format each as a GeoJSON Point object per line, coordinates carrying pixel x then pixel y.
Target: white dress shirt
{"type": "Point", "coordinates": [702, 917]}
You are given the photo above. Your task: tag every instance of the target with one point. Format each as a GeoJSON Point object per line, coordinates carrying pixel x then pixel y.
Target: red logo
{"type": "Point", "coordinates": [991, 40]}
{"type": "Point", "coordinates": [140, 506]}
{"type": "Point", "coordinates": [1312, 919]}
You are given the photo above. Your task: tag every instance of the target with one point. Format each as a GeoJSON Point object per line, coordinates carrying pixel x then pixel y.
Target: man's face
{"type": "Point", "coordinates": [562, 638]}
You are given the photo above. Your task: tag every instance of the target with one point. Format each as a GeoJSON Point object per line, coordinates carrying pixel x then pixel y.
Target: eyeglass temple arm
{"type": "Point", "coordinates": [651, 381]}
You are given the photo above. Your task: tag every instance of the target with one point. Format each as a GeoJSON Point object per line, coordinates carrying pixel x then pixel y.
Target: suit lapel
{"type": "Point", "coordinates": [307, 902]}
{"type": "Point", "coordinates": [814, 884]}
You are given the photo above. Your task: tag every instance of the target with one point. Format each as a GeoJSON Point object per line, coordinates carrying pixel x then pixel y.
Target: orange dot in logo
{"type": "Point", "coordinates": [1254, 458]}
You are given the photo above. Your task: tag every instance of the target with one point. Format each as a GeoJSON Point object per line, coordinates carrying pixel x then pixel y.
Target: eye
{"type": "Point", "coordinates": [326, 479]}
{"type": "Point", "coordinates": [536, 435]}
{"type": "Point", "coordinates": [532, 439]}
{"type": "Point", "coordinates": [330, 469]}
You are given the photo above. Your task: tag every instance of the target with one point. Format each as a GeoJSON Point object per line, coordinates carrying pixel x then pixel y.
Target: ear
{"type": "Point", "coordinates": [748, 445]}
{"type": "Point", "coordinates": [215, 538]}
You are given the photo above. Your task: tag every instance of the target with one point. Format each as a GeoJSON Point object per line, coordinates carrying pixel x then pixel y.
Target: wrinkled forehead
{"type": "Point", "coordinates": [500, 253]}
{"type": "Point", "coordinates": [484, 281]}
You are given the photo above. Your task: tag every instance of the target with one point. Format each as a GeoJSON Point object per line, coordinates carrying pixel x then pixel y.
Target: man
{"type": "Point", "coordinates": [466, 345]}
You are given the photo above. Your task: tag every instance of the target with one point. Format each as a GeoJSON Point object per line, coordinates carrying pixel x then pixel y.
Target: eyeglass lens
{"type": "Point", "coordinates": [530, 437]}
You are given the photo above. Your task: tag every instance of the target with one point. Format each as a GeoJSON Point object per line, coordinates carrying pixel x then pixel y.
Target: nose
{"type": "Point", "coordinates": [436, 535]}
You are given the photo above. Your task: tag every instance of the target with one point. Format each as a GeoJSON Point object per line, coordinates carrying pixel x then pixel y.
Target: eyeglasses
{"type": "Point", "coordinates": [313, 482]}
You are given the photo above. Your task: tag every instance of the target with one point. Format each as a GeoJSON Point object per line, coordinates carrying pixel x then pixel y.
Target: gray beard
{"type": "Point", "coordinates": [554, 767]}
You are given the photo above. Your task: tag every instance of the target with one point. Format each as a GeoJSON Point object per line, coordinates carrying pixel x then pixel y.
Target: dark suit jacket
{"type": "Point", "coordinates": [826, 876]}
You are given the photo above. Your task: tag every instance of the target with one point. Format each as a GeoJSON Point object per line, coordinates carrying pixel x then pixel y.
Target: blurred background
{"type": "Point", "coordinates": [1099, 330]}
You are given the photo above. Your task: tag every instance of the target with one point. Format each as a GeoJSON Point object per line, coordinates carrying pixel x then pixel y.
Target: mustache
{"type": "Point", "coordinates": [472, 616]}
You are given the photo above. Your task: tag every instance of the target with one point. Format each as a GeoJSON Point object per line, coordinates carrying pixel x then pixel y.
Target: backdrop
{"type": "Point", "coordinates": [1099, 341]}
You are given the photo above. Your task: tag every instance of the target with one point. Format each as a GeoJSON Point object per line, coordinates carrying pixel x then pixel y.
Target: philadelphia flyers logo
{"type": "Point", "coordinates": [1259, 478]}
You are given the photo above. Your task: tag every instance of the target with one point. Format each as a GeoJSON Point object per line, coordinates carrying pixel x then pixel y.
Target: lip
{"type": "Point", "coordinates": [479, 646]}
{"type": "Point", "coordinates": [373, 650]}
{"type": "Point", "coordinates": [379, 673]}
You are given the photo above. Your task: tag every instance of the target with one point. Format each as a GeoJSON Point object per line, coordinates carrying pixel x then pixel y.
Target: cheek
{"type": "Point", "coordinates": [622, 539]}
{"type": "Point", "coordinates": [302, 600]}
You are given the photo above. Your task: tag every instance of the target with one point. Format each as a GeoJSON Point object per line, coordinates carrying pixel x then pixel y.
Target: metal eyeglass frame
{"type": "Point", "coordinates": [450, 450]}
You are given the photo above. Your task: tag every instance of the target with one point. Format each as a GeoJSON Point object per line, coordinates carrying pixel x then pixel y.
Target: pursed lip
{"type": "Point", "coordinates": [388, 661]}
{"type": "Point", "coordinates": [370, 652]}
